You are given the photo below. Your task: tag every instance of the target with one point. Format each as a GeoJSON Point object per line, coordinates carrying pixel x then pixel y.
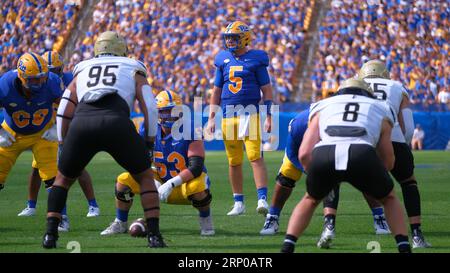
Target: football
{"type": "Point", "coordinates": [138, 228]}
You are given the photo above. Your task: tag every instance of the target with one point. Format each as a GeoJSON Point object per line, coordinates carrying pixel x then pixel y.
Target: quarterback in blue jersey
{"type": "Point", "coordinates": [180, 174]}
{"type": "Point", "coordinates": [56, 65]}
{"type": "Point", "coordinates": [241, 76]}
{"type": "Point", "coordinates": [27, 96]}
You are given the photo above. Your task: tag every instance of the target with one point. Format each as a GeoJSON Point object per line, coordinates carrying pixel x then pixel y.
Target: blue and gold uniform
{"type": "Point", "coordinates": [170, 158]}
{"type": "Point", "coordinates": [240, 79]}
{"type": "Point", "coordinates": [291, 167]}
{"type": "Point", "coordinates": [27, 119]}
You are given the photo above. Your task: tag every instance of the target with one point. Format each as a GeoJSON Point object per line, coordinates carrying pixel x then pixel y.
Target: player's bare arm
{"type": "Point", "coordinates": [146, 103]}
{"type": "Point", "coordinates": [267, 98]}
{"type": "Point", "coordinates": [215, 101]}
{"type": "Point", "coordinates": [310, 139]}
{"type": "Point", "coordinates": [384, 148]}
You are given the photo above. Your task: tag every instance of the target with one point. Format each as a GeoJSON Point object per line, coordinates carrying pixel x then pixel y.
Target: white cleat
{"type": "Point", "coordinates": [93, 211]}
{"type": "Point", "coordinates": [270, 225]}
{"type": "Point", "coordinates": [327, 237]}
{"type": "Point", "coordinates": [27, 212]}
{"type": "Point", "coordinates": [206, 226]}
{"type": "Point", "coordinates": [418, 241]}
{"type": "Point", "coordinates": [64, 225]}
{"type": "Point", "coordinates": [116, 227]}
{"type": "Point", "coordinates": [263, 207]}
{"type": "Point", "coordinates": [238, 209]}
{"type": "Point", "coordinates": [380, 225]}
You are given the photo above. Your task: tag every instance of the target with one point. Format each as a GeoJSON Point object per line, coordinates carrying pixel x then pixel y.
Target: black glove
{"type": "Point", "coordinates": [151, 146]}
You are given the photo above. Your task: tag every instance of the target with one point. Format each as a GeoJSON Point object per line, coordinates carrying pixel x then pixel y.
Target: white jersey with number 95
{"type": "Point", "coordinates": [107, 74]}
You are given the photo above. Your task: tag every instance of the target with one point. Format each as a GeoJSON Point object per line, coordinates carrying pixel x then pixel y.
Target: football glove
{"type": "Point", "coordinates": [166, 189]}
{"type": "Point", "coordinates": [51, 134]}
{"type": "Point", "coordinates": [6, 139]}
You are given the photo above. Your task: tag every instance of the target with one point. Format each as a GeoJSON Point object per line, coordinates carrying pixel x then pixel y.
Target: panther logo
{"type": "Point", "coordinates": [22, 67]}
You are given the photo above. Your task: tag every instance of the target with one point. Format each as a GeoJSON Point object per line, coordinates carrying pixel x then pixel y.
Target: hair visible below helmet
{"type": "Point", "coordinates": [111, 43]}
{"type": "Point", "coordinates": [165, 102]}
{"type": "Point", "coordinates": [373, 69]}
{"type": "Point", "coordinates": [32, 71]}
{"type": "Point", "coordinates": [241, 32]}
{"type": "Point", "coordinates": [355, 86]}
{"type": "Point", "coordinates": [54, 61]}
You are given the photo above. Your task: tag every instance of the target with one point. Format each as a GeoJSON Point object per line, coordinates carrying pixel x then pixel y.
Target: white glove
{"type": "Point", "coordinates": [51, 134]}
{"type": "Point", "coordinates": [6, 139]}
{"type": "Point", "coordinates": [166, 189]}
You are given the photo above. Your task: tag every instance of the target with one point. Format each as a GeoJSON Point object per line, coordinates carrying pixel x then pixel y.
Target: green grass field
{"type": "Point", "coordinates": [233, 234]}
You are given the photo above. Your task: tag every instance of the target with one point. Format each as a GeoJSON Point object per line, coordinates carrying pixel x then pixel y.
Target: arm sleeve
{"type": "Point", "coordinates": [152, 112]}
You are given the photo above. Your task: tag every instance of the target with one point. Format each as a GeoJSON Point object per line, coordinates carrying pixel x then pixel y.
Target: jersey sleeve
{"type": "Point", "coordinates": [313, 109]}
{"type": "Point", "coordinates": [57, 86]}
{"type": "Point", "coordinates": [262, 76]}
{"type": "Point", "coordinates": [218, 78]}
{"type": "Point", "coordinates": [141, 68]}
{"type": "Point", "coordinates": [218, 60]}
{"type": "Point", "coordinates": [263, 58]}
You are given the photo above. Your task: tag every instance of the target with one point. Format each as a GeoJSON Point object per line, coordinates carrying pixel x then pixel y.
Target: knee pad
{"type": "Point", "coordinates": [202, 203]}
{"type": "Point", "coordinates": [49, 182]}
{"type": "Point", "coordinates": [124, 196]}
{"type": "Point", "coordinates": [285, 181]}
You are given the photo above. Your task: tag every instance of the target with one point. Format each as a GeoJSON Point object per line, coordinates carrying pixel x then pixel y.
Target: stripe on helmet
{"type": "Point", "coordinates": [170, 96]}
{"type": "Point", "coordinates": [37, 62]}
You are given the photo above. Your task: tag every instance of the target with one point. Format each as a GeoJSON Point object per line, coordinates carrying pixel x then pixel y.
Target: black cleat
{"type": "Point", "coordinates": [155, 241]}
{"type": "Point", "coordinates": [49, 241]}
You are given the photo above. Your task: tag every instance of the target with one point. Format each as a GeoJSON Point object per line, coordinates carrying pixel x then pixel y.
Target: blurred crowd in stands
{"type": "Point", "coordinates": [410, 36]}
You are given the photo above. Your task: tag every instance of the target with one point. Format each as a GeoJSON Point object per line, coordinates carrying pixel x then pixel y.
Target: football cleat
{"type": "Point", "coordinates": [270, 225]}
{"type": "Point", "coordinates": [206, 226]}
{"type": "Point", "coordinates": [27, 212]}
{"type": "Point", "coordinates": [155, 241]}
{"type": "Point", "coordinates": [49, 241]}
{"type": "Point", "coordinates": [93, 211]}
{"type": "Point", "coordinates": [238, 209]}
{"type": "Point", "coordinates": [327, 236]}
{"type": "Point", "coordinates": [380, 225]}
{"type": "Point", "coordinates": [115, 227]}
{"type": "Point", "coordinates": [64, 225]}
{"type": "Point", "coordinates": [418, 240]}
{"type": "Point", "coordinates": [263, 207]}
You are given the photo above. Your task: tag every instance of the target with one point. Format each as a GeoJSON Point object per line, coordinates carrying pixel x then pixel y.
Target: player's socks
{"type": "Point", "coordinates": [93, 203]}
{"type": "Point", "coordinates": [274, 211]}
{"type": "Point", "coordinates": [64, 210]}
{"type": "Point", "coordinates": [122, 215]}
{"type": "Point", "coordinates": [330, 219]}
{"type": "Point", "coordinates": [52, 225]}
{"type": "Point", "coordinates": [377, 211]}
{"type": "Point", "coordinates": [205, 213]}
{"type": "Point", "coordinates": [262, 193]}
{"type": "Point", "coordinates": [238, 197]}
{"type": "Point", "coordinates": [289, 244]}
{"type": "Point", "coordinates": [31, 204]}
{"type": "Point", "coordinates": [415, 228]}
{"type": "Point", "coordinates": [153, 225]}
{"type": "Point", "coordinates": [403, 244]}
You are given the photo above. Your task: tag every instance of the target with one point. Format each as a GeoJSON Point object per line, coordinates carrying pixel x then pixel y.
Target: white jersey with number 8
{"type": "Point", "coordinates": [351, 119]}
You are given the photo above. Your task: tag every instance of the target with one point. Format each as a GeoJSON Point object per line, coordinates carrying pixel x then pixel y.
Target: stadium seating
{"type": "Point", "coordinates": [411, 38]}
{"type": "Point", "coordinates": [35, 26]}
